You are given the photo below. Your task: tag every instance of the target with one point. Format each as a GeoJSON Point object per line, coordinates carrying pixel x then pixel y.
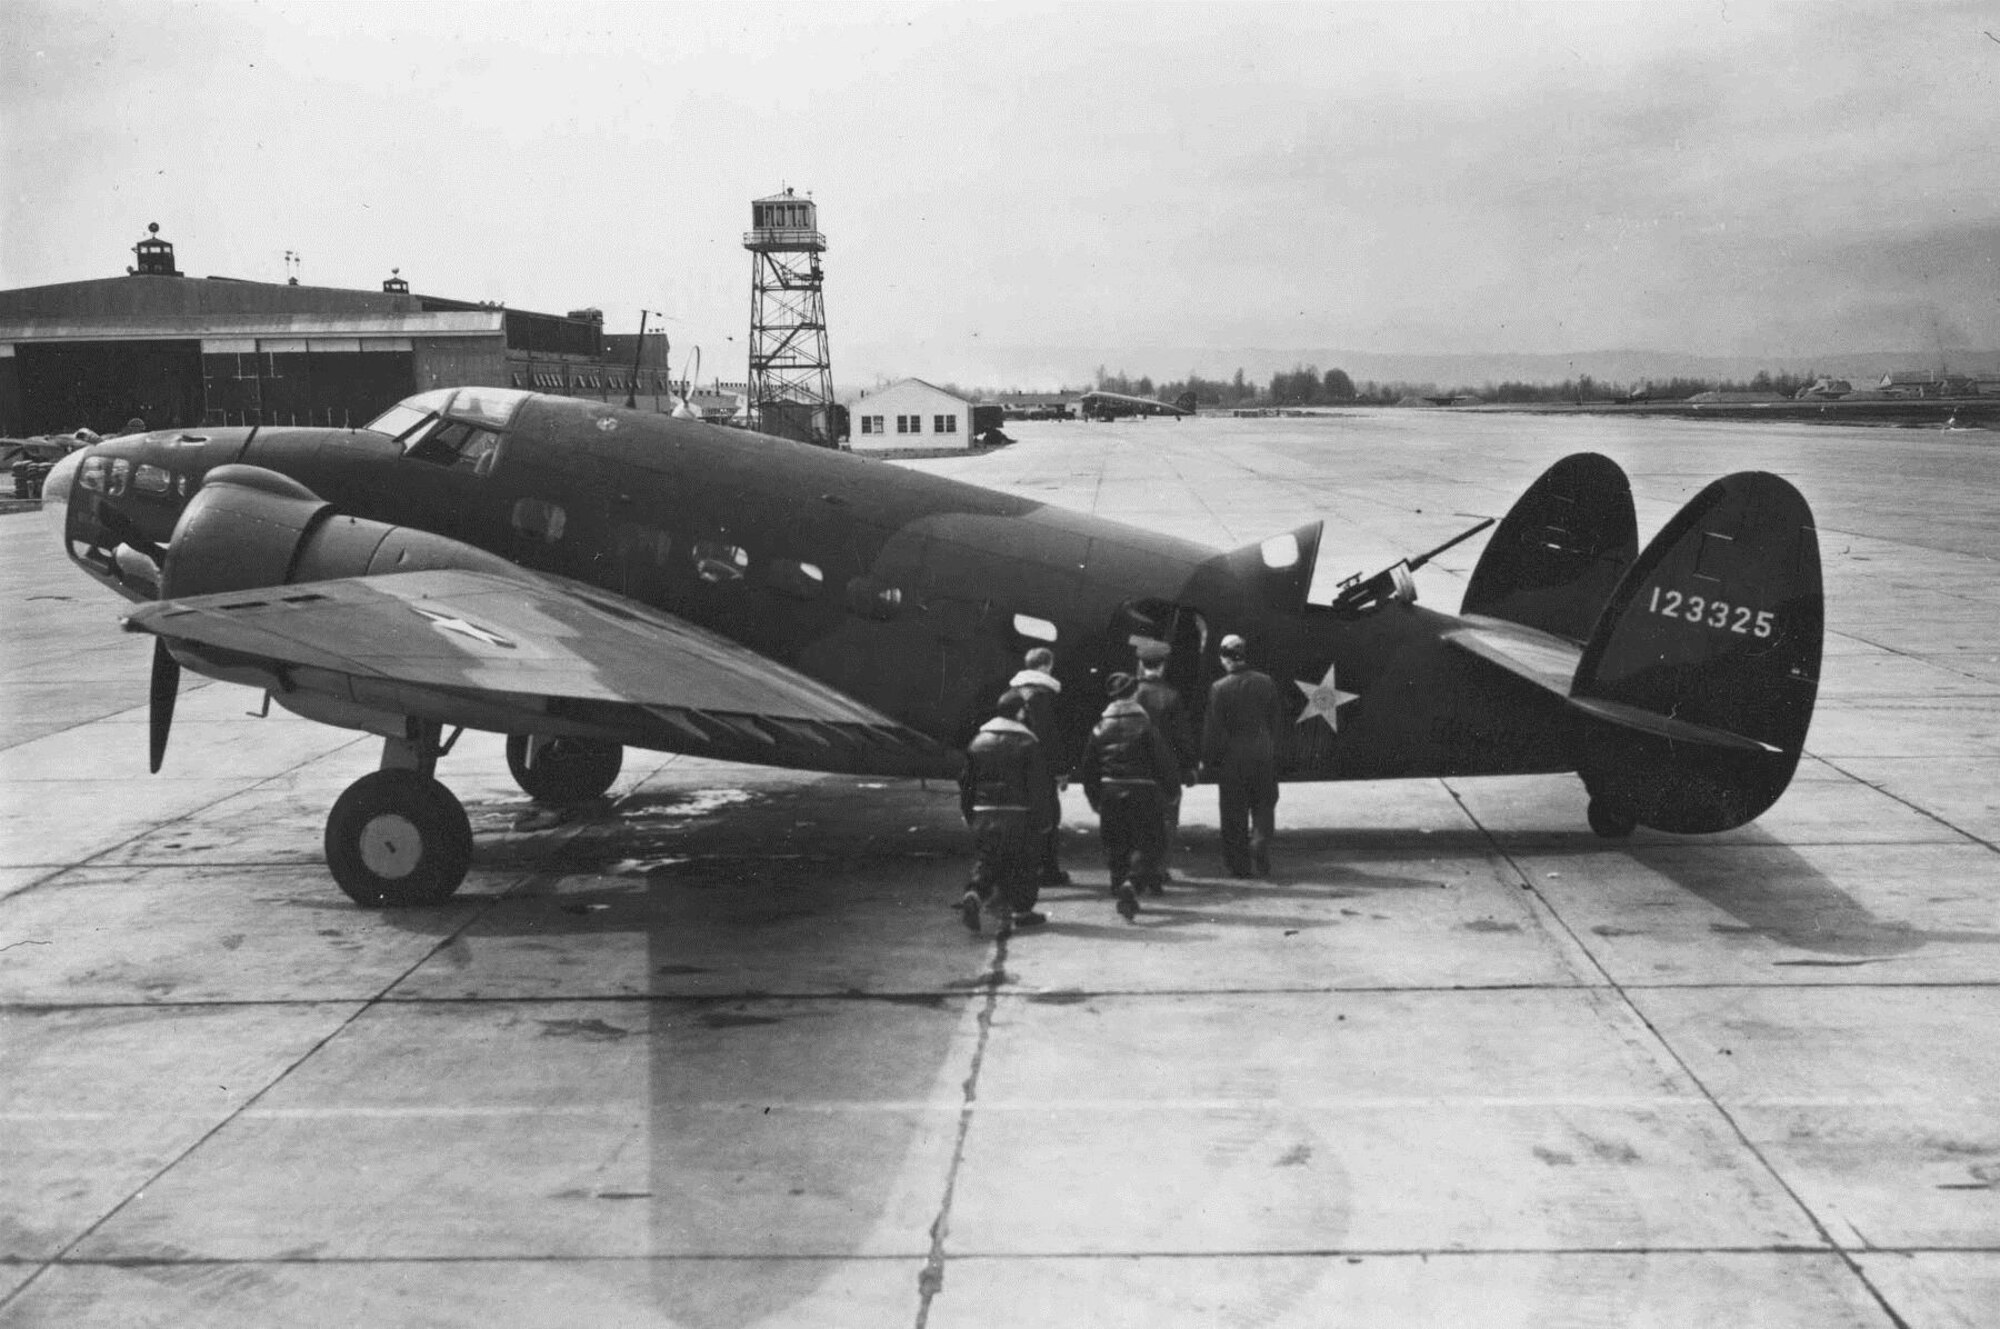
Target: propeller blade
{"type": "Point", "coordinates": [165, 689]}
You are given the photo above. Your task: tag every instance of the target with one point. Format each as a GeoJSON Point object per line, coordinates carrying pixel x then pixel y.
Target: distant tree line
{"type": "Point", "coordinates": [1305, 385]}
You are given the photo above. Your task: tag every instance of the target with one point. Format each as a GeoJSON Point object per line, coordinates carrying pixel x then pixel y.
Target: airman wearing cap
{"type": "Point", "coordinates": [1126, 768]}
{"type": "Point", "coordinates": [1037, 682]}
{"type": "Point", "coordinates": [1162, 701]}
{"type": "Point", "coordinates": [1239, 742]}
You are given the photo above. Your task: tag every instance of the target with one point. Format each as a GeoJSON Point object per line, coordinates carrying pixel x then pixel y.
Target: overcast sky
{"type": "Point", "coordinates": [1083, 179]}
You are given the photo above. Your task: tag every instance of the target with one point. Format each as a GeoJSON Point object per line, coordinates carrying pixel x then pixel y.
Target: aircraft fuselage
{"type": "Point", "coordinates": [914, 594]}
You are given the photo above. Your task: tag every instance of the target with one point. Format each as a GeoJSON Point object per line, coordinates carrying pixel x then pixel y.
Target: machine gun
{"type": "Point", "coordinates": [1394, 582]}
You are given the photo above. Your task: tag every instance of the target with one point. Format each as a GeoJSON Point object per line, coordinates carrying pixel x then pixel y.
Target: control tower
{"type": "Point", "coordinates": [791, 379]}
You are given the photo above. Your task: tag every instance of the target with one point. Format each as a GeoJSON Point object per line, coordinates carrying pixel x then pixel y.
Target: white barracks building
{"type": "Point", "coordinates": [910, 414]}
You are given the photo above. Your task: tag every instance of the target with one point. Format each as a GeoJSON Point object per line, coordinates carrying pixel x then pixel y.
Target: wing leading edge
{"type": "Point", "coordinates": [529, 654]}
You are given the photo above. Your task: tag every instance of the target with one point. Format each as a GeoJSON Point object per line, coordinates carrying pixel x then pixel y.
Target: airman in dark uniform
{"type": "Point", "coordinates": [1127, 766]}
{"type": "Point", "coordinates": [1239, 741]}
{"type": "Point", "coordinates": [1038, 683]}
{"type": "Point", "coordinates": [1008, 800]}
{"type": "Point", "coordinates": [1163, 703]}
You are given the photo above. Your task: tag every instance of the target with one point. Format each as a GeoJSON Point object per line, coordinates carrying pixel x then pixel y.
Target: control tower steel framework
{"type": "Point", "coordinates": [791, 377]}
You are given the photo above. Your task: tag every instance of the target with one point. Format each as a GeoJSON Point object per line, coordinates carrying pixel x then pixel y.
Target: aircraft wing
{"type": "Point", "coordinates": [529, 654]}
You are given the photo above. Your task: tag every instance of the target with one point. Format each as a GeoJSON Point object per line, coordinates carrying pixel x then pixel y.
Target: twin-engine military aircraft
{"type": "Point", "coordinates": [1117, 405]}
{"type": "Point", "coordinates": [583, 578]}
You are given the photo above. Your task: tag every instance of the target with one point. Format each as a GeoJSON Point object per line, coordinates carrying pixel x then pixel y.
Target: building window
{"type": "Point", "coordinates": [879, 422]}
{"type": "Point", "coordinates": [902, 424]}
{"type": "Point", "coordinates": [866, 422]}
{"type": "Point", "coordinates": [945, 424]}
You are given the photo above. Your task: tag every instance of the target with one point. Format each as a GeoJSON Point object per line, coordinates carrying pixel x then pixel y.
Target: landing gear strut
{"type": "Point", "coordinates": [396, 836]}
{"type": "Point", "coordinates": [562, 772]}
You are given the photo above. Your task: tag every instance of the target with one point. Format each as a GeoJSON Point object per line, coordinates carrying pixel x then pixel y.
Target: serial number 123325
{"type": "Point", "coordinates": [1740, 619]}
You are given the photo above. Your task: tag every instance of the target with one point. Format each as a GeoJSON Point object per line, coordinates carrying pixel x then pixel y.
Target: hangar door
{"type": "Point", "coordinates": [102, 384]}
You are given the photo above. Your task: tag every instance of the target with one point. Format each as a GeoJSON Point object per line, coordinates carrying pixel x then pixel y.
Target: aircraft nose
{"type": "Point", "coordinates": [57, 488]}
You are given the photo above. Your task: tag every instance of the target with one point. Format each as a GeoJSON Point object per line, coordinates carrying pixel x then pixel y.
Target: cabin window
{"type": "Point", "coordinates": [1035, 629]}
{"type": "Point", "coordinates": [1281, 551]}
{"type": "Point", "coordinates": [801, 581]}
{"type": "Point", "coordinates": [874, 599]}
{"type": "Point", "coordinates": [643, 544]}
{"type": "Point", "coordinates": [538, 519]}
{"type": "Point", "coordinates": [716, 562]}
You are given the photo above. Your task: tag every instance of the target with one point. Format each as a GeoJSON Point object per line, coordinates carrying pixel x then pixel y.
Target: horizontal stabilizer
{"type": "Point", "coordinates": [1550, 663]}
{"type": "Point", "coordinates": [1547, 661]}
{"type": "Point", "coordinates": [1667, 727]}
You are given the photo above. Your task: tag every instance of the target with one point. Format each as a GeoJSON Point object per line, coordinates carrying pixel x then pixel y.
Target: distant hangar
{"type": "Point", "coordinates": [178, 351]}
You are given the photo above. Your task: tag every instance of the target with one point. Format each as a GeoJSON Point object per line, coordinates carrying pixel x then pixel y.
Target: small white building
{"type": "Point", "coordinates": [909, 414]}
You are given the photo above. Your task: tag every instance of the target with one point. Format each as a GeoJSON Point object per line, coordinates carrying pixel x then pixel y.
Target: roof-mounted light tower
{"type": "Point", "coordinates": [156, 256]}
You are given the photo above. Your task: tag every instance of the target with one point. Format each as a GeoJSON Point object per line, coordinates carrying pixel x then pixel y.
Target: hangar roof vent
{"type": "Point", "coordinates": [156, 256]}
{"type": "Point", "coordinates": [395, 284]}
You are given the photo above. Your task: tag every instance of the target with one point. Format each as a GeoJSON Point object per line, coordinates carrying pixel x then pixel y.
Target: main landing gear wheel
{"type": "Point", "coordinates": [566, 771]}
{"type": "Point", "coordinates": [398, 838]}
{"type": "Point", "coordinates": [1610, 821]}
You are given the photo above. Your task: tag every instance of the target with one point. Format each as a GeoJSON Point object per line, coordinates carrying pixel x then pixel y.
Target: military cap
{"type": "Point", "coordinates": [1152, 652]}
{"type": "Point", "coordinates": [1233, 646]}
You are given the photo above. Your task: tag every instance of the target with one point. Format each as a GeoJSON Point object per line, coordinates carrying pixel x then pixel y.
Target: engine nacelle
{"type": "Point", "coordinates": [249, 527]}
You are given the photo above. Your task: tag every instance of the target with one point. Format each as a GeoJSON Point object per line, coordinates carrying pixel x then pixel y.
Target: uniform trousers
{"type": "Point", "coordinates": [1248, 803]}
{"type": "Point", "coordinates": [1133, 823]}
{"type": "Point", "coordinates": [1006, 853]}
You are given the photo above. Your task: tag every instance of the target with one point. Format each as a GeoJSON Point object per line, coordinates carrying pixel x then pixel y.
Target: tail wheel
{"type": "Point", "coordinates": [566, 770]}
{"type": "Point", "coordinates": [1610, 820]}
{"type": "Point", "coordinates": [398, 838]}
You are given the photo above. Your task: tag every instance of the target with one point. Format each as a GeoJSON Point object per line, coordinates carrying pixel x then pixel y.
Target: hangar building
{"type": "Point", "coordinates": [910, 414]}
{"type": "Point", "coordinates": [176, 351]}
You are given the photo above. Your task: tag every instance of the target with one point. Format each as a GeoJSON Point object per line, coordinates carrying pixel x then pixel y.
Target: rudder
{"type": "Point", "coordinates": [1560, 551]}
{"type": "Point", "coordinates": [1717, 627]}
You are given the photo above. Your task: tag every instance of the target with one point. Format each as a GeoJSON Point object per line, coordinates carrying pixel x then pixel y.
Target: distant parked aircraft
{"type": "Point", "coordinates": [1116, 405]}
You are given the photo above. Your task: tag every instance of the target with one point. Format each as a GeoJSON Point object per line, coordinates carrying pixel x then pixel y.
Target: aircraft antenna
{"type": "Point", "coordinates": [791, 375]}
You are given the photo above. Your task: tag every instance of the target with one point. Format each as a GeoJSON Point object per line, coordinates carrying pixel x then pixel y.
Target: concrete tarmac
{"type": "Point", "coordinates": [720, 1054]}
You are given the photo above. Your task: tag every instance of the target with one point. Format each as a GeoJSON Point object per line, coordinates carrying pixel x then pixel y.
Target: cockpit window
{"type": "Point", "coordinates": [456, 427]}
{"type": "Point", "coordinates": [492, 407]}
{"type": "Point", "coordinates": [408, 413]}
{"type": "Point", "coordinates": [455, 443]}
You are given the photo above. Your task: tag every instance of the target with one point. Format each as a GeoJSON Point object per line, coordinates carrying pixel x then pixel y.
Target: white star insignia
{"type": "Point", "coordinates": [1324, 699]}
{"type": "Point", "coordinates": [451, 623]}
